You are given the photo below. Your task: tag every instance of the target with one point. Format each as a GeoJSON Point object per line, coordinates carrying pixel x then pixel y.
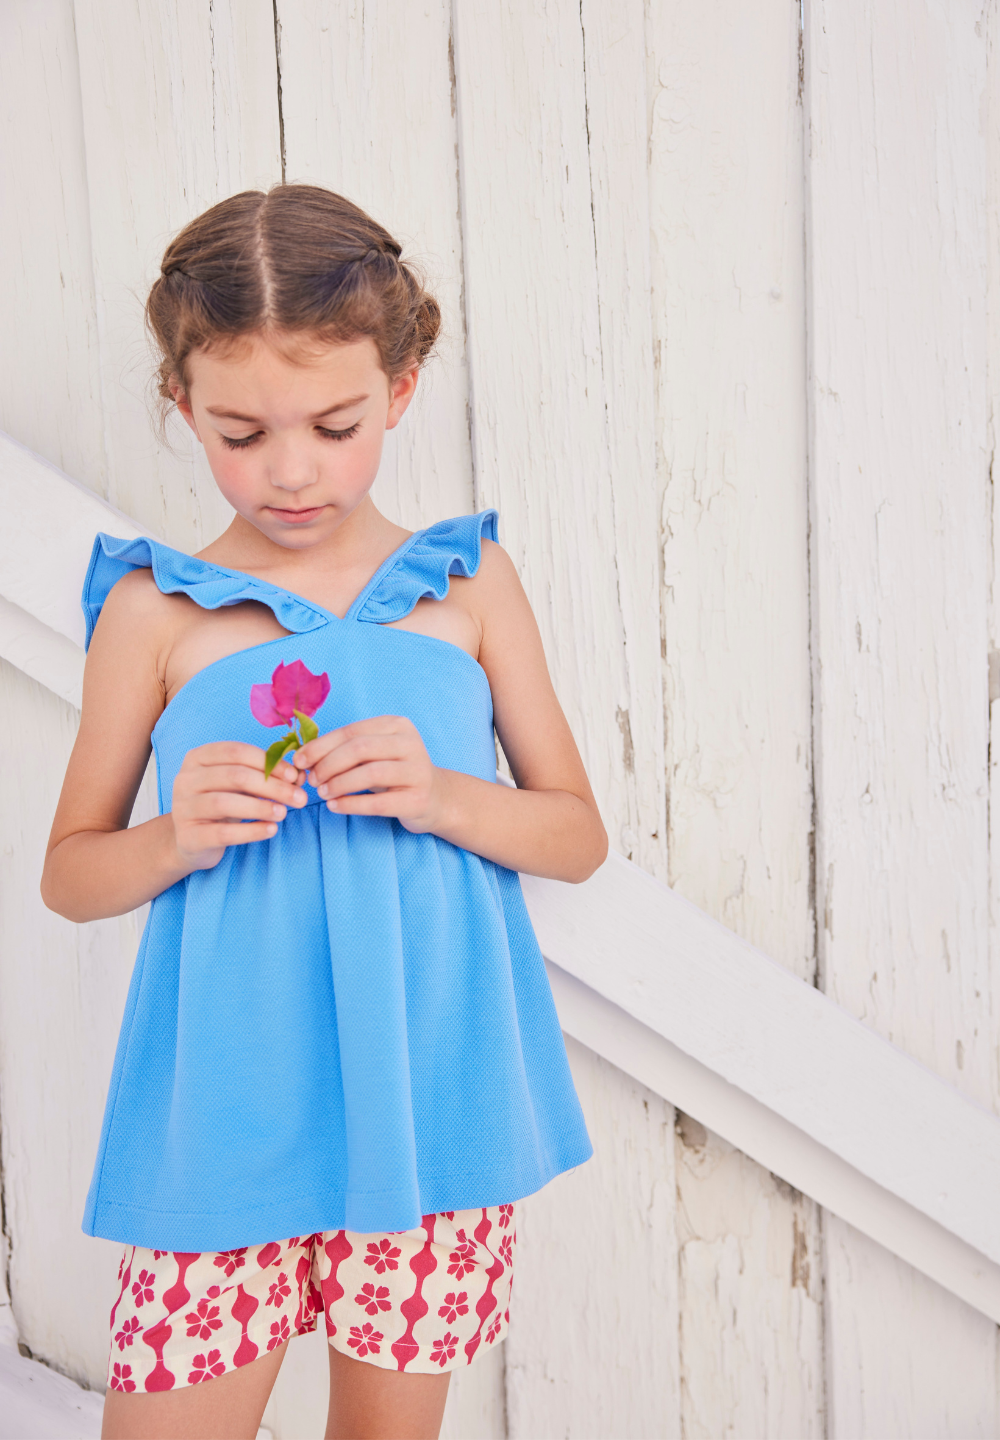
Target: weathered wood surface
{"type": "Point", "coordinates": [726, 201]}
{"type": "Point", "coordinates": [179, 104]}
{"type": "Point", "coordinates": [540, 249]}
{"type": "Point", "coordinates": [368, 109]}
{"type": "Point", "coordinates": [901, 572]}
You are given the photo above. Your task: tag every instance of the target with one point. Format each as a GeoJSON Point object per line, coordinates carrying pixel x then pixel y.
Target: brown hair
{"type": "Point", "coordinates": [297, 259]}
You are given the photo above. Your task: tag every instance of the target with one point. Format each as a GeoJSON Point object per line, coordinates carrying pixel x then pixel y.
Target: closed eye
{"type": "Point", "coordinates": [339, 434]}
{"type": "Point", "coordinates": [243, 442]}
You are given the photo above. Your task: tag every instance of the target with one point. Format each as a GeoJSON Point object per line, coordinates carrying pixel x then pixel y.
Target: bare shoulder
{"type": "Point", "coordinates": [137, 610]}
{"type": "Point", "coordinates": [134, 634]}
{"type": "Point", "coordinates": [496, 583]}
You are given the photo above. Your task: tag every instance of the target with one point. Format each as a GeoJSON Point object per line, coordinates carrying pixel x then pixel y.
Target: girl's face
{"type": "Point", "coordinates": [293, 436]}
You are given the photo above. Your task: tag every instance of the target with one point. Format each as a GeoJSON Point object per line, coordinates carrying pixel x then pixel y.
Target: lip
{"type": "Point", "coordinates": [296, 517]}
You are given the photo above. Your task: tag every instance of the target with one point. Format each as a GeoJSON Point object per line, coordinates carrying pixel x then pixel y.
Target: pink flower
{"type": "Point", "coordinates": [126, 1333]}
{"type": "Point", "coordinates": [506, 1211]}
{"type": "Point", "coordinates": [143, 1288]}
{"type": "Point", "coordinates": [279, 1332]}
{"type": "Point", "coordinates": [205, 1319]}
{"type": "Point", "coordinates": [364, 1338]}
{"type": "Point", "coordinates": [206, 1366]}
{"type": "Point", "coordinates": [292, 688]}
{"type": "Point", "coordinates": [454, 1305]}
{"type": "Point", "coordinates": [374, 1299]}
{"type": "Point", "coordinates": [121, 1377]}
{"type": "Point", "coordinates": [463, 1257]}
{"type": "Point", "coordinates": [444, 1349]}
{"type": "Point", "coordinates": [383, 1256]}
{"type": "Point", "coordinates": [278, 1290]}
{"type": "Point", "coordinates": [230, 1260]}
{"type": "Point", "coordinates": [494, 1330]}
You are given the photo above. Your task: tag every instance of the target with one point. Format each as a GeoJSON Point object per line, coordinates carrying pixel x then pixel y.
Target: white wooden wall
{"type": "Point", "coordinates": [721, 286]}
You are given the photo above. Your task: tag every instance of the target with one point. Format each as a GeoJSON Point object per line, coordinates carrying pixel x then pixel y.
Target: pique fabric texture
{"type": "Point", "coordinates": [347, 1026]}
{"type": "Point", "coordinates": [427, 1300]}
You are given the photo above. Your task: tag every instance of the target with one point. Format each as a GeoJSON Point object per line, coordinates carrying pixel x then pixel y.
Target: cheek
{"type": "Point", "coordinates": [235, 473]}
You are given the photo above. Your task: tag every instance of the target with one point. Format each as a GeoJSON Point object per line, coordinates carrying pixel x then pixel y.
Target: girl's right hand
{"type": "Point", "coordinates": [221, 798]}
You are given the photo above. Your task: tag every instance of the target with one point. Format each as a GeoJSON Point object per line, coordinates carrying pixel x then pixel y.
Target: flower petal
{"type": "Point", "coordinates": [297, 688]}
{"type": "Point", "coordinates": [263, 707]}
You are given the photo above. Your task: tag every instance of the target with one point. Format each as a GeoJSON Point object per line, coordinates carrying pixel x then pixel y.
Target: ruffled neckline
{"type": "Point", "coordinates": [419, 567]}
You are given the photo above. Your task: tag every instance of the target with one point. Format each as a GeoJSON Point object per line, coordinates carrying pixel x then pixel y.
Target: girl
{"type": "Point", "coordinates": [340, 1064]}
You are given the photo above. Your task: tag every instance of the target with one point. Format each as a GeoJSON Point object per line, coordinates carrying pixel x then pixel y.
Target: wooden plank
{"type": "Point", "coordinates": [727, 208]}
{"type": "Point", "coordinates": [552, 390]}
{"type": "Point", "coordinates": [900, 557]}
{"type": "Point", "coordinates": [368, 111]}
{"type": "Point", "coordinates": [49, 397]}
{"type": "Point", "coordinates": [62, 991]}
{"type": "Point", "coordinates": [179, 110]}
{"type": "Point", "coordinates": [905, 1358]}
{"type": "Point", "coordinates": [777, 1039]}
{"type": "Point", "coordinates": [597, 1277]}
{"type": "Point", "coordinates": [709, 1103]}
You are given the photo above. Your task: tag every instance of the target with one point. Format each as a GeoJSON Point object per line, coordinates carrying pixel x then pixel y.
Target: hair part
{"type": "Point", "coordinates": [296, 260]}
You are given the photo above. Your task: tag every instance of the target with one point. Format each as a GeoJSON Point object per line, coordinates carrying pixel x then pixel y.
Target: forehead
{"type": "Point", "coordinates": [272, 367]}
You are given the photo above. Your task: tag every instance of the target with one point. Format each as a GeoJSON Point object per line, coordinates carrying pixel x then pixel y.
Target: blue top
{"type": "Point", "coordinates": [348, 1025]}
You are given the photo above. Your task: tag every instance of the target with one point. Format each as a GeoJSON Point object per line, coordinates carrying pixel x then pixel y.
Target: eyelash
{"type": "Point", "coordinates": [247, 440]}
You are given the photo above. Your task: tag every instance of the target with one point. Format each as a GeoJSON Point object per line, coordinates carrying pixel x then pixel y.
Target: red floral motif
{"type": "Point", "coordinates": [449, 1214]}
{"type": "Point", "coordinates": [142, 1290]}
{"type": "Point", "coordinates": [364, 1338]}
{"type": "Point", "coordinates": [159, 1254]}
{"type": "Point", "coordinates": [278, 1290]}
{"type": "Point", "coordinates": [444, 1350]}
{"type": "Point", "coordinates": [454, 1305]}
{"type": "Point", "coordinates": [463, 1258]}
{"type": "Point", "coordinates": [384, 1256]}
{"type": "Point", "coordinates": [128, 1330]}
{"type": "Point", "coordinates": [494, 1330]}
{"type": "Point", "coordinates": [121, 1377]}
{"type": "Point", "coordinates": [374, 1299]}
{"type": "Point", "coordinates": [205, 1366]}
{"type": "Point", "coordinates": [205, 1319]}
{"type": "Point", "coordinates": [121, 1267]}
{"type": "Point", "coordinates": [279, 1332]}
{"type": "Point", "coordinates": [506, 1254]}
{"type": "Point", "coordinates": [506, 1211]}
{"type": "Point", "coordinates": [231, 1260]}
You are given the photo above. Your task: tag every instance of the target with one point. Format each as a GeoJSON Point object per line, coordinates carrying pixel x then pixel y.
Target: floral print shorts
{"type": "Point", "coordinates": [423, 1300]}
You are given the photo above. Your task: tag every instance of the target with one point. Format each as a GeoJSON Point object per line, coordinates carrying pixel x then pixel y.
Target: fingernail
{"type": "Point", "coordinates": [279, 812]}
{"type": "Point", "coordinates": [300, 797]}
{"type": "Point", "coordinates": [272, 830]}
{"type": "Point", "coordinates": [323, 792]}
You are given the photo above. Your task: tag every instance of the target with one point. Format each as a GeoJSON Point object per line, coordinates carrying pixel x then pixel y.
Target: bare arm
{"type": "Point", "coordinates": [95, 865]}
{"type": "Point", "coordinates": [549, 825]}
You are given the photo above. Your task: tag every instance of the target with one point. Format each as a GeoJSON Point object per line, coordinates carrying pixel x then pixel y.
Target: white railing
{"type": "Point", "coordinates": [648, 981]}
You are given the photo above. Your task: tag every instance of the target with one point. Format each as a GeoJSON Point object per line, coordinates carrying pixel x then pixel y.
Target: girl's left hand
{"type": "Point", "coordinates": [385, 755]}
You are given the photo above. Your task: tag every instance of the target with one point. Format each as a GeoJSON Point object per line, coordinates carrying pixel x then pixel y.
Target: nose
{"type": "Point", "coordinates": [293, 468]}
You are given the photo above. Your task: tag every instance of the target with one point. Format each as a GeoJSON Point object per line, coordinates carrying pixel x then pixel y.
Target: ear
{"type": "Point", "coordinates": [180, 399]}
{"type": "Point", "coordinates": [401, 390]}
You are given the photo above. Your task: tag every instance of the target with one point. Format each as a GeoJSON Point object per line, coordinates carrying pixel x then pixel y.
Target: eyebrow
{"type": "Point", "coordinates": [222, 414]}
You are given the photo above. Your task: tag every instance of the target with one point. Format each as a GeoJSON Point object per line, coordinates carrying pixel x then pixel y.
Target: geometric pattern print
{"type": "Point", "coordinates": [425, 1300]}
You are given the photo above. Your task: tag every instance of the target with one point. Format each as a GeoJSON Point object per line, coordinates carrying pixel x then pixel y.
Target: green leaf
{"type": "Point", "coordinates": [309, 728]}
{"type": "Point", "coordinates": [278, 751]}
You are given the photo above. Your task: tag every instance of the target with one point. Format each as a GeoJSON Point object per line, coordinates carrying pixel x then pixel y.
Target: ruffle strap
{"type": "Point", "coordinates": [422, 568]}
{"type": "Point", "coordinates": [209, 586]}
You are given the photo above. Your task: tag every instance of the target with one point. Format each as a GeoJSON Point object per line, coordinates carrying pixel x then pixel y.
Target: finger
{"type": "Point", "coordinates": [225, 806]}
{"type": "Point", "coordinates": [308, 755]}
{"type": "Point", "coordinates": [211, 837]}
{"type": "Point", "coordinates": [361, 750]}
{"type": "Point", "coordinates": [228, 752]}
{"type": "Point", "coordinates": [243, 780]}
{"type": "Point", "coordinates": [384, 774]}
{"type": "Point", "coordinates": [388, 804]}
